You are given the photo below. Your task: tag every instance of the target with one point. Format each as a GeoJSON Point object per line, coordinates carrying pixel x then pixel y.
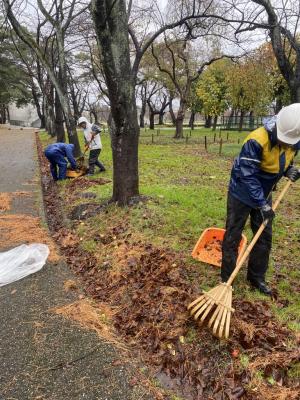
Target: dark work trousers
{"type": "Point", "coordinates": [237, 214]}
{"type": "Point", "coordinates": [57, 160]}
{"type": "Point", "coordinates": [93, 160]}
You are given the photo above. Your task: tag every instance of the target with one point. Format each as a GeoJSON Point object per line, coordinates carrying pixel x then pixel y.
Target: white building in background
{"type": "Point", "coordinates": [24, 116]}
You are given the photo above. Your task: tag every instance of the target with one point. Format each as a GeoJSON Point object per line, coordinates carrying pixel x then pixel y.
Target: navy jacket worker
{"type": "Point", "coordinates": [57, 153]}
{"type": "Point", "coordinates": [267, 155]}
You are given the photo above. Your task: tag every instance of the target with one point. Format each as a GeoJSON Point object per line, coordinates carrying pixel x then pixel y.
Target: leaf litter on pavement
{"type": "Point", "coordinates": [19, 229]}
{"type": "Point", "coordinates": [149, 289]}
{"type": "Point", "coordinates": [5, 200]}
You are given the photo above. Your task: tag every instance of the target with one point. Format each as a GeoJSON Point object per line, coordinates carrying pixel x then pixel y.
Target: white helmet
{"type": "Point", "coordinates": [288, 124]}
{"type": "Point", "coordinates": [82, 119]}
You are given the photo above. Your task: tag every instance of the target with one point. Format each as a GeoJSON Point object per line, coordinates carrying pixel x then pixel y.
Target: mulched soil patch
{"type": "Point", "coordinates": [76, 190]}
{"type": "Point", "coordinates": [149, 291]}
{"type": "Point", "coordinates": [88, 195]}
{"type": "Point", "coordinates": [85, 211]}
{"type": "Point", "coordinates": [78, 186]}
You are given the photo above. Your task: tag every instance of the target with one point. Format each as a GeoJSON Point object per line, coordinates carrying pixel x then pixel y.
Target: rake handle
{"type": "Point", "coordinates": [86, 147]}
{"type": "Point", "coordinates": [256, 236]}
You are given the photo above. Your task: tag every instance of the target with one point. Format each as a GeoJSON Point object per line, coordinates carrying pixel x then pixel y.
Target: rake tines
{"type": "Point", "coordinates": [221, 298]}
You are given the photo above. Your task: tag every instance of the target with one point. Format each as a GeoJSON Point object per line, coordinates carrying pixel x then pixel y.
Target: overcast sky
{"type": "Point", "coordinates": [162, 3]}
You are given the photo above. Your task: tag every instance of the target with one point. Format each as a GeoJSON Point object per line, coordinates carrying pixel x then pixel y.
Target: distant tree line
{"type": "Point", "coordinates": [68, 57]}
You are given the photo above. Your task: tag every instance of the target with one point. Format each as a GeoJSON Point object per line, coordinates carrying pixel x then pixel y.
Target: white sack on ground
{"type": "Point", "coordinates": [21, 261]}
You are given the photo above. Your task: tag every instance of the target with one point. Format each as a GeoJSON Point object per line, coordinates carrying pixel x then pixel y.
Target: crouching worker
{"type": "Point", "coordinates": [93, 143]}
{"type": "Point", "coordinates": [57, 153]}
{"type": "Point", "coordinates": [267, 155]}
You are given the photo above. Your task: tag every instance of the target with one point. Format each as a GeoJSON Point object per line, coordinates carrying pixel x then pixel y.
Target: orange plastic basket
{"type": "Point", "coordinates": [76, 174]}
{"type": "Point", "coordinates": [208, 249]}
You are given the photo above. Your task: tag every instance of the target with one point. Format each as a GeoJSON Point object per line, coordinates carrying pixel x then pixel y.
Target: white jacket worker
{"type": "Point", "coordinates": [93, 142]}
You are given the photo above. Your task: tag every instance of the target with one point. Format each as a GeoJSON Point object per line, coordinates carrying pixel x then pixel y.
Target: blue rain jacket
{"type": "Point", "coordinates": [57, 154]}
{"type": "Point", "coordinates": [260, 165]}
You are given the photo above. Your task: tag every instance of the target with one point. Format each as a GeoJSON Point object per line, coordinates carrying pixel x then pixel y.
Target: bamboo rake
{"type": "Point", "coordinates": [217, 301]}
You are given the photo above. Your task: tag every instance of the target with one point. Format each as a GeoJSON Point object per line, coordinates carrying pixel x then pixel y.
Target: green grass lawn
{"type": "Point", "coordinates": [186, 187]}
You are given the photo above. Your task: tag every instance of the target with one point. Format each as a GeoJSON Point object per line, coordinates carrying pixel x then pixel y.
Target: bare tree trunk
{"type": "Point", "coordinates": [95, 115]}
{"type": "Point", "coordinates": [2, 114]}
{"type": "Point", "coordinates": [153, 110]}
{"type": "Point", "coordinates": [43, 121]}
{"type": "Point", "coordinates": [142, 120]}
{"type": "Point", "coordinates": [295, 89]}
{"type": "Point", "coordinates": [179, 128]}
{"type": "Point", "coordinates": [142, 114]}
{"type": "Point", "coordinates": [109, 120]}
{"type": "Point", "coordinates": [251, 120]}
{"type": "Point", "coordinates": [215, 122]}
{"type": "Point", "coordinates": [111, 25]}
{"type": "Point", "coordinates": [172, 114]}
{"type": "Point", "coordinates": [49, 108]}
{"type": "Point", "coordinates": [278, 105]}
{"type": "Point", "coordinates": [38, 107]}
{"type": "Point", "coordinates": [161, 113]}
{"type": "Point", "coordinates": [192, 120]}
{"type": "Point", "coordinates": [151, 119]}
{"type": "Point", "coordinates": [208, 120]}
{"type": "Point", "coordinates": [161, 117]}
{"type": "Point", "coordinates": [241, 120]}
{"type": "Point", "coordinates": [62, 92]}
{"type": "Point", "coordinates": [236, 119]}
{"type": "Point", "coordinates": [75, 104]}
{"type": "Point", "coordinates": [59, 121]}
{"type": "Point", "coordinates": [49, 119]}
{"type": "Point", "coordinates": [143, 95]}
{"type": "Point", "coordinates": [230, 120]}
{"type": "Point", "coordinates": [180, 119]}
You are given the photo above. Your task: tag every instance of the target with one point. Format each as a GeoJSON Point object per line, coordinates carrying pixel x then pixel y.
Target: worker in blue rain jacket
{"type": "Point", "coordinates": [58, 155]}
{"type": "Point", "coordinates": [266, 155]}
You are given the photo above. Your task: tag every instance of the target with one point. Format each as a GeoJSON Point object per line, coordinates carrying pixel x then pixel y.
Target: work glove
{"type": "Point", "coordinates": [267, 212]}
{"type": "Point", "coordinates": [293, 174]}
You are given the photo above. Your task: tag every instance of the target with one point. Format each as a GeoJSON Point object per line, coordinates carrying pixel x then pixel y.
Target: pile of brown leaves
{"type": "Point", "coordinates": [4, 202]}
{"type": "Point", "coordinates": [83, 183]}
{"type": "Point", "coordinates": [19, 229]}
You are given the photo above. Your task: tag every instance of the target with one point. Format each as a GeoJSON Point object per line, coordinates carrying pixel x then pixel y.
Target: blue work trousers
{"type": "Point", "coordinates": [57, 160]}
